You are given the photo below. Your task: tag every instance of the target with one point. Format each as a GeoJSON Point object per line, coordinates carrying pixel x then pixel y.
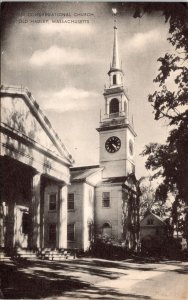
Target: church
{"type": "Point", "coordinates": [103, 199]}
{"type": "Point", "coordinates": [34, 175]}
{"type": "Point", "coordinates": [48, 203]}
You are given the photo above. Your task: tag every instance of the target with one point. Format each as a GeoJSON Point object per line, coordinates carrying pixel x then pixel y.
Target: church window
{"type": "Point", "coordinates": [106, 229]}
{"type": "Point", "coordinates": [52, 202]}
{"type": "Point", "coordinates": [114, 79]}
{"type": "Point", "coordinates": [52, 233]}
{"type": "Point", "coordinates": [114, 106]}
{"type": "Point", "coordinates": [71, 232]}
{"type": "Point", "coordinates": [71, 201]}
{"type": "Point", "coordinates": [106, 199]}
{"type": "Point", "coordinates": [150, 221]}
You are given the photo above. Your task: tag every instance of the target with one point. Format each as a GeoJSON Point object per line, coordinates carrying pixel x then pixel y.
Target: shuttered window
{"type": "Point", "coordinates": [71, 201]}
{"type": "Point", "coordinates": [52, 202]}
{"type": "Point", "coordinates": [106, 199]}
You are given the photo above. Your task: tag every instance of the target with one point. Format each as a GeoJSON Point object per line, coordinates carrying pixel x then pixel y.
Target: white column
{"type": "Point", "coordinates": [108, 109]}
{"type": "Point", "coordinates": [105, 106]}
{"type": "Point", "coordinates": [63, 217]}
{"type": "Point", "coordinates": [120, 106]}
{"type": "Point", "coordinates": [127, 108]}
{"type": "Point", "coordinates": [36, 195]}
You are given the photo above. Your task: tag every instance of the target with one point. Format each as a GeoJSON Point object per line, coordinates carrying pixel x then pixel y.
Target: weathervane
{"type": "Point", "coordinates": [114, 13]}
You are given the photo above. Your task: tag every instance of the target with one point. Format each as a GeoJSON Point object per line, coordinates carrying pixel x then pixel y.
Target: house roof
{"type": "Point", "coordinates": [149, 213]}
{"type": "Point", "coordinates": [79, 174]}
{"type": "Point", "coordinates": [157, 217]}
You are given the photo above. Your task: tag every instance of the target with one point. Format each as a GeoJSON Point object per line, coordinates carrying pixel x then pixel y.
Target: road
{"type": "Point", "coordinates": [90, 278]}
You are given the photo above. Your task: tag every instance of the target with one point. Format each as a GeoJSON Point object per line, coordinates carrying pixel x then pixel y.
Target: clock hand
{"type": "Point", "coordinates": [114, 146]}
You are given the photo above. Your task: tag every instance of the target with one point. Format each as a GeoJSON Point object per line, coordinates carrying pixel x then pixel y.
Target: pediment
{"type": "Point", "coordinates": [21, 114]}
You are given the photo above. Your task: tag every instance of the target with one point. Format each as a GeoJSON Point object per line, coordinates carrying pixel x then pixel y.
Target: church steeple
{"type": "Point", "coordinates": [116, 133]}
{"type": "Point", "coordinates": [115, 73]}
{"type": "Point", "coordinates": [115, 58]}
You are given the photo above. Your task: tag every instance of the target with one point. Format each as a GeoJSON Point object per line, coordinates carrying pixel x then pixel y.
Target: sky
{"type": "Point", "coordinates": [65, 67]}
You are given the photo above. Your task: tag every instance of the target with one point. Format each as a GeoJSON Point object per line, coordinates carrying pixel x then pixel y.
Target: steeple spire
{"type": "Point", "coordinates": [115, 58]}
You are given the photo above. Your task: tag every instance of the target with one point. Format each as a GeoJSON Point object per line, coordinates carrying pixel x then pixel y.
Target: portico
{"type": "Point", "coordinates": [35, 174]}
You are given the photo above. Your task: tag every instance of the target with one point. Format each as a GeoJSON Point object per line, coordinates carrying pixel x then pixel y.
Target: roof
{"type": "Point", "coordinates": [79, 174]}
{"type": "Point", "coordinates": [157, 217]}
{"type": "Point", "coordinates": [109, 180]}
{"type": "Point", "coordinates": [154, 215]}
{"type": "Point", "coordinates": [39, 115]}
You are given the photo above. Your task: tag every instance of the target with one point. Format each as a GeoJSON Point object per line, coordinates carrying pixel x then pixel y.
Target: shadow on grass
{"type": "Point", "coordinates": [22, 281]}
{"type": "Point", "coordinates": [183, 270]}
{"type": "Point", "coordinates": [42, 279]}
{"type": "Point", "coordinates": [103, 293]}
{"type": "Point", "coordinates": [89, 267]}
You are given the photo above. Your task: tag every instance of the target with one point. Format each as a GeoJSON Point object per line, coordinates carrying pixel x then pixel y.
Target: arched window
{"type": "Point", "coordinates": [106, 229]}
{"type": "Point", "coordinates": [114, 106]}
{"type": "Point", "coordinates": [114, 79]}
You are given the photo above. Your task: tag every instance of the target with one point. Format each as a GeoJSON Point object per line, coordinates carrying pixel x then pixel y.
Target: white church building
{"type": "Point", "coordinates": [102, 199]}
{"type": "Point", "coordinates": [48, 203]}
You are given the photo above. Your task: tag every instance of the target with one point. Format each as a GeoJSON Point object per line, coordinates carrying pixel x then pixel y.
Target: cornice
{"type": "Point", "coordinates": [112, 127]}
{"type": "Point", "coordinates": [31, 143]}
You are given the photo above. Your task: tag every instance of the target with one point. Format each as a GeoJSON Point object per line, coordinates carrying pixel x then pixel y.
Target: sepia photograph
{"type": "Point", "coordinates": [94, 150]}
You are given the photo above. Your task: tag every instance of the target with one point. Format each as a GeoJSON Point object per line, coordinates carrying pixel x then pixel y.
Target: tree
{"type": "Point", "coordinates": [170, 160]}
{"type": "Point", "coordinates": [147, 197]}
{"type": "Point", "coordinates": [149, 200]}
{"type": "Point", "coordinates": [130, 212]}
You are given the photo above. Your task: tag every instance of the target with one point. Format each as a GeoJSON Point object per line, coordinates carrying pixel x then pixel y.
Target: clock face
{"type": "Point", "coordinates": [131, 147]}
{"type": "Point", "coordinates": [113, 144]}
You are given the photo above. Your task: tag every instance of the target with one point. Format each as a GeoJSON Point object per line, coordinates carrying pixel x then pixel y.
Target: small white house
{"type": "Point", "coordinates": [153, 231]}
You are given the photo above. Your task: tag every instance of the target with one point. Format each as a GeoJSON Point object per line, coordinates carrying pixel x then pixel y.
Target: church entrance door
{"type": "Point", "coordinates": [22, 226]}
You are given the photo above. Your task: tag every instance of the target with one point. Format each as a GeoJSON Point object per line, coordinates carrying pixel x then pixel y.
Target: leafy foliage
{"type": "Point", "coordinates": [169, 101]}
{"type": "Point", "coordinates": [150, 200]}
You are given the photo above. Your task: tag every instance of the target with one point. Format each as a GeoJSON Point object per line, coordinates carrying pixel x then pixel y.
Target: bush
{"type": "Point", "coordinates": [106, 247]}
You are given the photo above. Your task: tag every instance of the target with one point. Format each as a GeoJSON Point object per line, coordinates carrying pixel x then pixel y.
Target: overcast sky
{"type": "Point", "coordinates": [65, 66]}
